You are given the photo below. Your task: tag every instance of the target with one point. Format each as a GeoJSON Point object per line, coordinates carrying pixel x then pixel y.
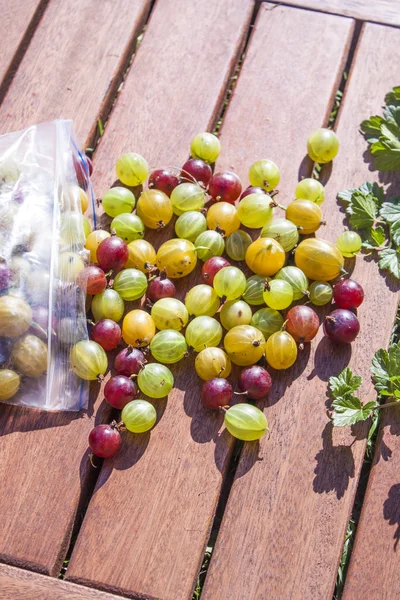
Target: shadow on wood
{"type": "Point", "coordinates": [391, 511]}
{"type": "Point", "coordinates": [335, 466]}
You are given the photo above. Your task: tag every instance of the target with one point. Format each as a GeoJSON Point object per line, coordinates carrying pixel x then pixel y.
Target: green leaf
{"type": "Point", "coordinates": [366, 188]}
{"type": "Point", "coordinates": [375, 189]}
{"type": "Point", "coordinates": [372, 128]}
{"type": "Point", "coordinates": [362, 210]}
{"type": "Point", "coordinates": [395, 232]}
{"type": "Point", "coordinates": [345, 195]}
{"type": "Point", "coordinates": [386, 155]}
{"type": "Point", "coordinates": [385, 370]}
{"type": "Point", "coordinates": [374, 237]}
{"type": "Point", "coordinates": [380, 369]}
{"type": "Point", "coordinates": [345, 382]}
{"type": "Point", "coordinates": [392, 117]}
{"type": "Point", "coordinates": [348, 410]}
{"type": "Point", "coordinates": [390, 261]}
{"type": "Point", "coordinates": [390, 211]}
{"type": "Point", "coordinates": [393, 97]}
{"type": "Point", "coordinates": [383, 135]}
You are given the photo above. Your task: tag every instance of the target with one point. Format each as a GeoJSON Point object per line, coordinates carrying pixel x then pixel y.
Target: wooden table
{"type": "Point", "coordinates": [139, 527]}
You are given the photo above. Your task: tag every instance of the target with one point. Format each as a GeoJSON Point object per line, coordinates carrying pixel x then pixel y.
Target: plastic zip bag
{"type": "Point", "coordinates": [42, 250]}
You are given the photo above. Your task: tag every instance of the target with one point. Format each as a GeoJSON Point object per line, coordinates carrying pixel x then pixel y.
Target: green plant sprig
{"type": "Point", "coordinates": [383, 133]}
{"type": "Point", "coordinates": [377, 220]}
{"type": "Point", "coordinates": [347, 409]}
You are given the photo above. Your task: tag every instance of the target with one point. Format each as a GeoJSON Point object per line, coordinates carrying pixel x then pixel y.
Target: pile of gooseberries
{"type": "Point", "coordinates": [255, 300]}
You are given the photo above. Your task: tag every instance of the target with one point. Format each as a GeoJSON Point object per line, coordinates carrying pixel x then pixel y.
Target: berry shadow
{"type": "Point", "coordinates": [249, 457]}
{"type": "Point", "coordinates": [305, 168]}
{"type": "Point", "coordinates": [329, 359]}
{"type": "Point", "coordinates": [281, 380]}
{"type": "Point", "coordinates": [132, 449]}
{"type": "Point", "coordinates": [206, 425]}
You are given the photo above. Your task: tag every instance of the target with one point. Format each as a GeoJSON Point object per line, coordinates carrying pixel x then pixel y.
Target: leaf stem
{"type": "Point", "coordinates": [386, 405]}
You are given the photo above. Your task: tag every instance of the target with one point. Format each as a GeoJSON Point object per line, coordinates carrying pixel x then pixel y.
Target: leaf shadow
{"type": "Point", "coordinates": [391, 511]}
{"type": "Point", "coordinates": [389, 419]}
{"type": "Point", "coordinates": [335, 466]}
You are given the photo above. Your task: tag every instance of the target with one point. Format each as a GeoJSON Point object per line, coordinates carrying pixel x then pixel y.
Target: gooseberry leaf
{"type": "Point", "coordinates": [362, 210]}
{"type": "Point", "coordinates": [366, 188]}
{"type": "Point", "coordinates": [374, 237]}
{"type": "Point", "coordinates": [372, 128]}
{"type": "Point", "coordinates": [395, 232]}
{"type": "Point", "coordinates": [390, 261]}
{"type": "Point", "coordinates": [348, 410]}
{"type": "Point", "coordinates": [345, 382]}
{"type": "Point", "coordinates": [383, 135]}
{"type": "Point", "coordinates": [385, 370]}
{"type": "Point", "coordinates": [390, 211]}
{"type": "Point", "coordinates": [393, 98]}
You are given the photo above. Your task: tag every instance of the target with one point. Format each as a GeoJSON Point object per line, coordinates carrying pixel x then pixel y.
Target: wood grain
{"type": "Point", "coordinates": [380, 11]}
{"type": "Point", "coordinates": [150, 517]}
{"type": "Point", "coordinates": [375, 561]}
{"type": "Point", "coordinates": [17, 24]}
{"type": "Point", "coordinates": [293, 507]}
{"type": "Point", "coordinates": [74, 64]}
{"type": "Point", "coordinates": [286, 517]}
{"type": "Point", "coordinates": [166, 100]}
{"type": "Point", "coordinates": [44, 465]}
{"type": "Point", "coordinates": [18, 584]}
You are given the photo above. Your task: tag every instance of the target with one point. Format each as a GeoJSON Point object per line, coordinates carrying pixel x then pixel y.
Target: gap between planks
{"type": "Point", "coordinates": [265, 527]}
{"type": "Point", "coordinates": [138, 570]}
{"type": "Point", "coordinates": [374, 563]}
{"type": "Point", "coordinates": [39, 449]}
{"type": "Point", "coordinates": [18, 24]}
{"type": "Point", "coordinates": [36, 446]}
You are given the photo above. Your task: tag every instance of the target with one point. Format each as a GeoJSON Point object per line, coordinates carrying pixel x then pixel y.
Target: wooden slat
{"type": "Point", "coordinates": [75, 64]}
{"type": "Point", "coordinates": [44, 466]}
{"type": "Point", "coordinates": [380, 11]}
{"type": "Point", "coordinates": [375, 562]}
{"type": "Point", "coordinates": [18, 584]}
{"type": "Point", "coordinates": [283, 528]}
{"type": "Point", "coordinates": [17, 23]}
{"type": "Point", "coordinates": [150, 516]}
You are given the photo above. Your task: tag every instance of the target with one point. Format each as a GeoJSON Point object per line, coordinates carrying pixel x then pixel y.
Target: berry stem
{"type": "Point", "coordinates": [91, 456]}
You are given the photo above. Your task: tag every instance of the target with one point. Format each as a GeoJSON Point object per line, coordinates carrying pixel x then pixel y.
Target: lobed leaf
{"type": "Point", "coordinates": [390, 261]}
{"type": "Point", "coordinates": [345, 382]}
{"type": "Point", "coordinates": [349, 410]}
